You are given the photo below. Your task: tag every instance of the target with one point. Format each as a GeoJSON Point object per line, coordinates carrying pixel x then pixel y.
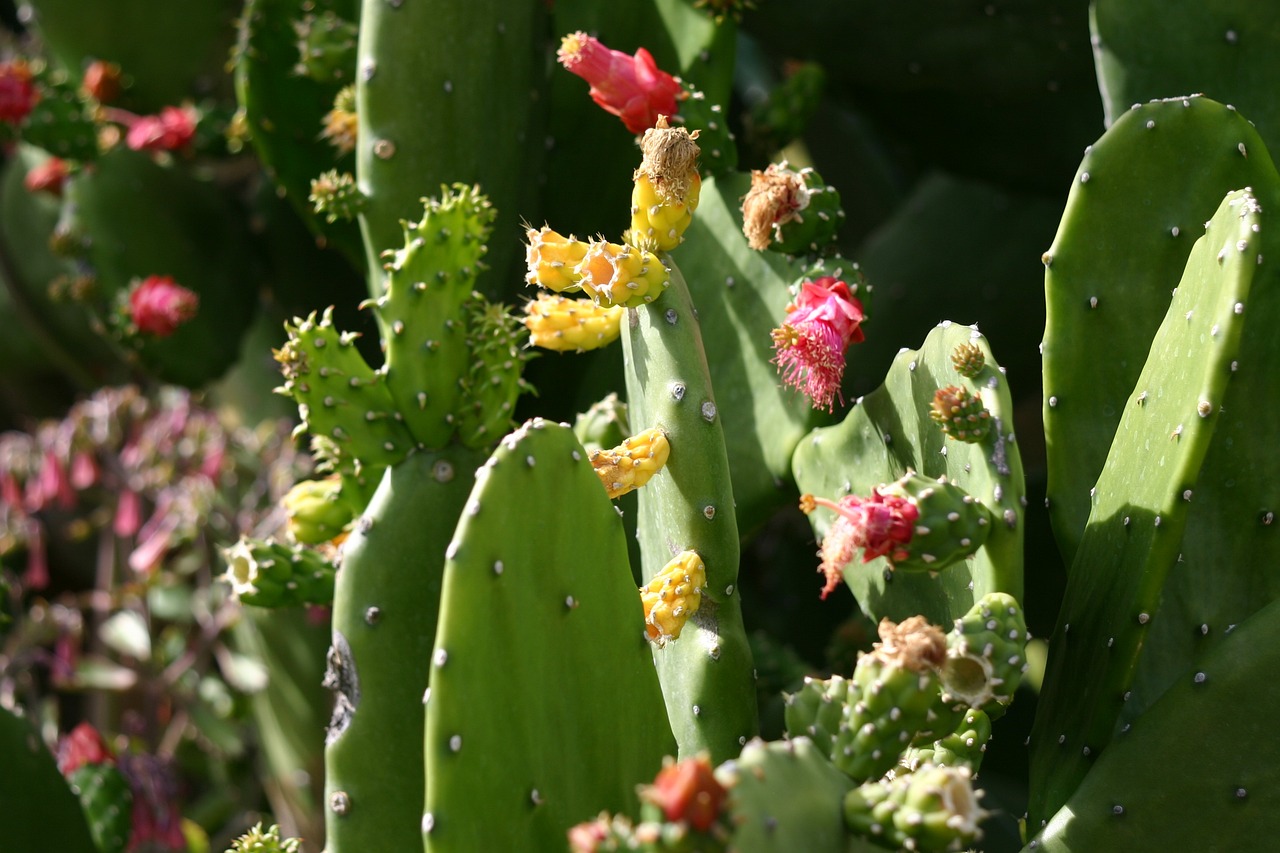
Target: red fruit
{"type": "Point", "coordinates": [171, 130]}
{"type": "Point", "coordinates": [688, 791]}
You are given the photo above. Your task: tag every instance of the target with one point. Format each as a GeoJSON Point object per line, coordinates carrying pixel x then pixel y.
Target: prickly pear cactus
{"type": "Point", "coordinates": [1228, 699]}
{"type": "Point", "coordinates": [707, 675]}
{"type": "Point", "coordinates": [538, 602]}
{"type": "Point", "coordinates": [384, 611]}
{"type": "Point", "coordinates": [933, 808]}
{"type": "Point", "coordinates": [890, 431]}
{"type": "Point", "coordinates": [785, 795]}
{"type": "Point", "coordinates": [1124, 239]}
{"type": "Point", "coordinates": [1141, 503]}
{"type": "Point", "coordinates": [986, 654]}
{"type": "Point", "coordinates": [51, 817]}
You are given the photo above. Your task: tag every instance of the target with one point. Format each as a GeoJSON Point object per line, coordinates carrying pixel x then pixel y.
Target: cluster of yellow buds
{"type": "Point", "coordinates": [571, 325]}
{"type": "Point", "coordinates": [673, 595]}
{"type": "Point", "coordinates": [633, 463]}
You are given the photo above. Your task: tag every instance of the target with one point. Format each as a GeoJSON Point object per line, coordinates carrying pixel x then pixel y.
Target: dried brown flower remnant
{"type": "Point", "coordinates": [911, 644]}
{"type": "Point", "coordinates": [776, 197]}
{"type": "Point", "coordinates": [670, 160]}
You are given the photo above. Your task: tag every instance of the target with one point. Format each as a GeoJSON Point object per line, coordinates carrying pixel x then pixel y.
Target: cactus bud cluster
{"type": "Point", "coordinates": [633, 463]}
{"type": "Point", "coordinates": [961, 414]}
{"type": "Point", "coordinates": [674, 594]}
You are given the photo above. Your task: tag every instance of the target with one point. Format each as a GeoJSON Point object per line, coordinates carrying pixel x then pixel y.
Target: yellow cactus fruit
{"type": "Point", "coordinates": [667, 186]}
{"type": "Point", "coordinates": [614, 274]}
{"type": "Point", "coordinates": [552, 259]}
{"type": "Point", "coordinates": [673, 595]}
{"type": "Point", "coordinates": [633, 463]}
{"type": "Point", "coordinates": [563, 324]}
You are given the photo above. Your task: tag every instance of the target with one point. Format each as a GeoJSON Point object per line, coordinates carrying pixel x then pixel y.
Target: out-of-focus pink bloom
{"type": "Point", "coordinates": [810, 344]}
{"type": "Point", "coordinates": [171, 130]}
{"type": "Point", "coordinates": [83, 745]}
{"type": "Point", "coordinates": [630, 87]}
{"type": "Point", "coordinates": [84, 470]}
{"type": "Point", "coordinates": [54, 484]}
{"type": "Point", "coordinates": [877, 525]}
{"type": "Point", "coordinates": [128, 514]}
{"type": "Point", "coordinates": [154, 539]}
{"type": "Point", "coordinates": [36, 576]}
{"type": "Point", "coordinates": [158, 305]}
{"type": "Point", "coordinates": [48, 177]}
{"type": "Point", "coordinates": [10, 490]}
{"type": "Point", "coordinates": [18, 95]}
{"type": "Point", "coordinates": [211, 464]}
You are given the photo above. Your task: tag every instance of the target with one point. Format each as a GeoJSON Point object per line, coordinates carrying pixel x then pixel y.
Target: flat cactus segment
{"type": "Point", "coordinates": [495, 377]}
{"type": "Point", "coordinates": [338, 395]}
{"type": "Point", "coordinates": [742, 297]}
{"type": "Point", "coordinates": [463, 105]}
{"type": "Point", "coordinates": [706, 674]}
{"type": "Point", "coordinates": [537, 602]}
{"type": "Point", "coordinates": [1120, 249]}
{"type": "Point", "coordinates": [50, 817]}
{"type": "Point", "coordinates": [423, 314]}
{"type": "Point", "coordinates": [889, 432]}
{"type": "Point", "coordinates": [1141, 504]}
{"type": "Point", "coordinates": [1218, 721]}
{"type": "Point", "coordinates": [785, 796]}
{"type": "Point", "coordinates": [384, 618]}
{"type": "Point", "coordinates": [1227, 50]}
{"type": "Point", "coordinates": [284, 111]}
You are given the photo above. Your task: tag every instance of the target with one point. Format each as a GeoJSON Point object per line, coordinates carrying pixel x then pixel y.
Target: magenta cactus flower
{"type": "Point", "coordinates": [48, 177]}
{"type": "Point", "coordinates": [158, 305]}
{"type": "Point", "coordinates": [631, 87]}
{"type": "Point", "coordinates": [878, 525]}
{"type": "Point", "coordinates": [810, 344]}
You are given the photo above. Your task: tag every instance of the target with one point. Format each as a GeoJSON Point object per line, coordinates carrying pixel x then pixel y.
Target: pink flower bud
{"type": "Point", "coordinates": [171, 130]}
{"type": "Point", "coordinates": [630, 87]}
{"type": "Point", "coordinates": [18, 95]}
{"type": "Point", "coordinates": [877, 525]}
{"type": "Point", "coordinates": [84, 470]}
{"type": "Point", "coordinates": [158, 305]}
{"type": "Point", "coordinates": [83, 745]}
{"type": "Point", "coordinates": [688, 791]}
{"type": "Point", "coordinates": [128, 514]}
{"type": "Point", "coordinates": [48, 177]}
{"type": "Point", "coordinates": [820, 325]}
{"type": "Point", "coordinates": [101, 81]}
{"type": "Point", "coordinates": [36, 576]}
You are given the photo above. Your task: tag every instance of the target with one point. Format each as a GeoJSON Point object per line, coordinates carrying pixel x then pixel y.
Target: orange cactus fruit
{"type": "Point", "coordinates": [619, 274]}
{"type": "Point", "coordinates": [633, 463]}
{"type": "Point", "coordinates": [552, 259]}
{"type": "Point", "coordinates": [673, 595]}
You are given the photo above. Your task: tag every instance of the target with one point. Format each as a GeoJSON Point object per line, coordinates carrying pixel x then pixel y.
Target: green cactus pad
{"type": "Point", "coordinates": [964, 746]}
{"type": "Point", "coordinates": [888, 432]}
{"type": "Point", "coordinates": [424, 315]}
{"type": "Point", "coordinates": [60, 122]}
{"type": "Point", "coordinates": [496, 341]}
{"type": "Point", "coordinates": [384, 619]}
{"type": "Point", "coordinates": [285, 111]}
{"type": "Point", "coordinates": [950, 528]}
{"type": "Point", "coordinates": [448, 92]}
{"type": "Point", "coordinates": [742, 296]}
{"type": "Point", "coordinates": [50, 817]}
{"type": "Point", "coordinates": [108, 804]}
{"type": "Point", "coordinates": [707, 675]}
{"type": "Point", "coordinates": [719, 150]}
{"type": "Point", "coordinates": [538, 601]}
{"type": "Point", "coordinates": [1217, 722]}
{"type": "Point", "coordinates": [785, 796]}
{"type": "Point", "coordinates": [1141, 503]}
{"type": "Point", "coordinates": [339, 396]}
{"type": "Point", "coordinates": [1121, 247]}
{"type": "Point", "coordinates": [818, 710]}
{"type": "Point", "coordinates": [1227, 50]}
{"type": "Point", "coordinates": [986, 654]}
{"type": "Point", "coordinates": [326, 47]}
{"type": "Point", "coordinates": [815, 227]}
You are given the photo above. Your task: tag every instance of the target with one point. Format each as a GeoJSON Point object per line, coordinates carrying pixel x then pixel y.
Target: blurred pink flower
{"type": "Point", "coordinates": [158, 305]}
{"type": "Point", "coordinates": [876, 525]}
{"type": "Point", "coordinates": [48, 177]}
{"type": "Point", "coordinates": [18, 95]}
{"type": "Point", "coordinates": [171, 130]}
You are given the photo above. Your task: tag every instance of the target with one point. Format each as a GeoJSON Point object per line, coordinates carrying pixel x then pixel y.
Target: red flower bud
{"type": "Point", "coordinates": [101, 81]}
{"type": "Point", "coordinates": [158, 305]}
{"type": "Point", "coordinates": [630, 87]}
{"type": "Point", "coordinates": [688, 791]}
{"type": "Point", "coordinates": [84, 745]}
{"type": "Point", "coordinates": [18, 95]}
{"type": "Point", "coordinates": [47, 177]}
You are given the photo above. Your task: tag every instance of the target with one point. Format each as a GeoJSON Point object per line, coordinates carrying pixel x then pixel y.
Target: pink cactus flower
{"type": "Point", "coordinates": [877, 525]}
{"type": "Point", "coordinates": [18, 95]}
{"type": "Point", "coordinates": [171, 130]}
{"type": "Point", "coordinates": [631, 87]}
{"type": "Point", "coordinates": [49, 177]}
{"type": "Point", "coordinates": [158, 305]}
{"type": "Point", "coordinates": [84, 470]}
{"type": "Point", "coordinates": [36, 576]}
{"type": "Point", "coordinates": [128, 516]}
{"type": "Point", "coordinates": [83, 745]}
{"type": "Point", "coordinates": [820, 325]}
{"type": "Point", "coordinates": [688, 791]}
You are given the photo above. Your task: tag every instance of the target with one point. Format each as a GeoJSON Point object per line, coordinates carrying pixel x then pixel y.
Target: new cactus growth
{"type": "Point", "coordinates": [272, 574]}
{"type": "Point", "coordinates": [960, 414]}
{"type": "Point", "coordinates": [934, 808]}
{"type": "Point", "coordinates": [986, 654]}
